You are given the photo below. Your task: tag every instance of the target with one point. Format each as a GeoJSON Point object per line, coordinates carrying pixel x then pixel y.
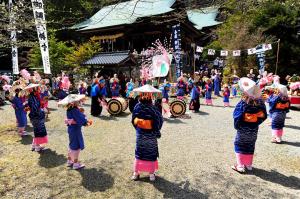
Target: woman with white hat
{"type": "Point", "coordinates": [249, 113]}
{"type": "Point", "coordinates": [148, 121]}
{"type": "Point", "coordinates": [279, 106]}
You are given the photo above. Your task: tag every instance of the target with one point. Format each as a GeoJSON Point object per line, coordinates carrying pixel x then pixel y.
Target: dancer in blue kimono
{"type": "Point", "coordinates": [37, 118]}
{"type": "Point", "coordinates": [279, 105]}
{"type": "Point", "coordinates": [129, 87]}
{"type": "Point", "coordinates": [195, 98]}
{"type": "Point", "coordinates": [165, 89]}
{"type": "Point", "coordinates": [249, 113]}
{"type": "Point", "coordinates": [75, 120]}
{"type": "Point", "coordinates": [21, 115]}
{"type": "Point", "coordinates": [217, 84]}
{"type": "Point", "coordinates": [98, 94]}
{"type": "Point", "coordinates": [208, 91]}
{"type": "Point", "coordinates": [226, 95]}
{"type": "Point", "coordinates": [182, 88]}
{"type": "Point", "coordinates": [114, 86]}
{"type": "Point", "coordinates": [148, 121]}
{"type": "Point", "coordinates": [234, 90]}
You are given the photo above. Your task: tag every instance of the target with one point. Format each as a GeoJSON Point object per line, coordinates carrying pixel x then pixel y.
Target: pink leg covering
{"type": "Point", "coordinates": [244, 159]}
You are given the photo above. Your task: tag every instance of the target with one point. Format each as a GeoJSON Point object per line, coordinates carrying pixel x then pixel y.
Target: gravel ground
{"type": "Point", "coordinates": [195, 159]}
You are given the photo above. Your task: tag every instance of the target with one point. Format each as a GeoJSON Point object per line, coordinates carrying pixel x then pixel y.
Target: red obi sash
{"type": "Point", "coordinates": [252, 118]}
{"type": "Point", "coordinates": [143, 124]}
{"type": "Point", "coordinates": [282, 105]}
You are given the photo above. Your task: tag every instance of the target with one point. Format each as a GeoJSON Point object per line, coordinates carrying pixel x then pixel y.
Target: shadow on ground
{"type": "Point", "coordinates": [50, 159]}
{"type": "Point", "coordinates": [123, 114]}
{"type": "Point", "coordinates": [107, 118]}
{"type": "Point", "coordinates": [296, 144]}
{"type": "Point", "coordinates": [292, 127]}
{"type": "Point", "coordinates": [29, 129]}
{"type": "Point", "coordinates": [202, 113]}
{"type": "Point", "coordinates": [52, 109]}
{"type": "Point", "coordinates": [173, 120]}
{"type": "Point", "coordinates": [278, 178]}
{"type": "Point", "coordinates": [174, 190]}
{"type": "Point", "coordinates": [26, 140]}
{"type": "Point", "coordinates": [96, 180]}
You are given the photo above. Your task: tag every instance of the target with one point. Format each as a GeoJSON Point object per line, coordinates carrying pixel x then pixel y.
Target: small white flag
{"type": "Point", "coordinates": [267, 47]}
{"type": "Point", "coordinates": [224, 53]}
{"type": "Point", "coordinates": [199, 49]}
{"type": "Point", "coordinates": [236, 53]}
{"type": "Point", "coordinates": [251, 51]}
{"type": "Point", "coordinates": [211, 52]}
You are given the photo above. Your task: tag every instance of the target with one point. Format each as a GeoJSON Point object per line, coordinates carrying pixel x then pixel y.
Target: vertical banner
{"type": "Point", "coordinates": [176, 37]}
{"type": "Point", "coordinates": [40, 22]}
{"type": "Point", "coordinates": [260, 54]}
{"type": "Point", "coordinates": [13, 38]}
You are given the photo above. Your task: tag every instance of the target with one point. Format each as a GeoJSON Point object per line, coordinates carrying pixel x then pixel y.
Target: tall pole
{"type": "Point", "coordinates": [13, 37]}
{"type": "Point", "coordinates": [278, 50]}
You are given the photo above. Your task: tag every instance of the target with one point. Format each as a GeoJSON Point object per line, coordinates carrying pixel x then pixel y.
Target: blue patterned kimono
{"type": "Point", "coordinates": [130, 87]}
{"type": "Point", "coordinates": [181, 88]}
{"type": "Point", "coordinates": [247, 131]}
{"type": "Point", "coordinates": [20, 112]}
{"type": "Point", "coordinates": [234, 91]}
{"type": "Point", "coordinates": [195, 101]}
{"type": "Point", "coordinates": [37, 116]}
{"type": "Point", "coordinates": [76, 141]}
{"type": "Point", "coordinates": [226, 95]}
{"type": "Point", "coordinates": [146, 140]}
{"type": "Point", "coordinates": [115, 89]}
{"type": "Point", "coordinates": [165, 91]}
{"type": "Point", "coordinates": [217, 85]}
{"type": "Point", "coordinates": [208, 91]}
{"type": "Point", "coordinates": [277, 115]}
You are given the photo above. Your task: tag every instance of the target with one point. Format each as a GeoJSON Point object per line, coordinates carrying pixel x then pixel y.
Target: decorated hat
{"type": "Point", "coordinates": [282, 89]}
{"type": "Point", "coordinates": [249, 87]}
{"type": "Point", "coordinates": [31, 86]}
{"type": "Point", "coordinates": [71, 99]}
{"type": "Point", "coordinates": [147, 91]}
{"type": "Point", "coordinates": [6, 78]}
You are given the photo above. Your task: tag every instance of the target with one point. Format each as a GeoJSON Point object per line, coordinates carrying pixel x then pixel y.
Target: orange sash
{"type": "Point", "coordinates": [248, 117]}
{"type": "Point", "coordinates": [282, 106]}
{"type": "Point", "coordinates": [143, 124]}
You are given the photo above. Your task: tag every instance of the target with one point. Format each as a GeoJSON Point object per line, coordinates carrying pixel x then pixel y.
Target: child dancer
{"type": "Point", "coordinates": [195, 101]}
{"type": "Point", "coordinates": [279, 106]}
{"type": "Point", "coordinates": [226, 95]}
{"type": "Point", "coordinates": [208, 91]}
{"type": "Point", "coordinates": [21, 115]}
{"type": "Point", "coordinates": [114, 86]}
{"type": "Point", "coordinates": [37, 118]}
{"type": "Point", "coordinates": [234, 90]}
{"type": "Point", "coordinates": [249, 113]}
{"type": "Point", "coordinates": [182, 88]}
{"type": "Point", "coordinates": [82, 89]}
{"type": "Point", "coordinates": [148, 121]}
{"type": "Point", "coordinates": [75, 120]}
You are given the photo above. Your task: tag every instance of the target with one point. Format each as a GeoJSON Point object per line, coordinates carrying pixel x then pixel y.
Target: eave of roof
{"type": "Point", "coordinates": [109, 58]}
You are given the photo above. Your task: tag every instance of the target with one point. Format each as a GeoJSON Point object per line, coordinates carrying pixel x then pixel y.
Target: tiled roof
{"type": "Point", "coordinates": [108, 58]}
{"type": "Point", "coordinates": [125, 13]}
